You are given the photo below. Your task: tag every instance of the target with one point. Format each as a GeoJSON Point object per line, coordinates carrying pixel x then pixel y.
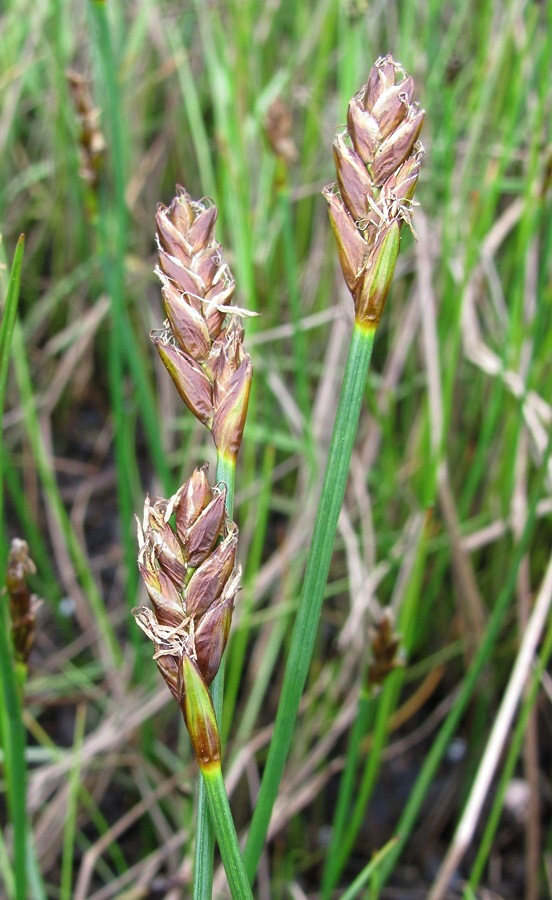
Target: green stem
{"type": "Point", "coordinates": [70, 829]}
{"type": "Point", "coordinates": [365, 710]}
{"type": "Point", "coordinates": [12, 735]}
{"type": "Point", "coordinates": [226, 472]}
{"type": "Point", "coordinates": [7, 326]}
{"type": "Point", "coordinates": [353, 812]}
{"type": "Point", "coordinates": [225, 831]}
{"type": "Point", "coordinates": [12, 732]}
{"type": "Point", "coordinates": [289, 254]}
{"type": "Point", "coordinates": [358, 884]}
{"type": "Point", "coordinates": [205, 833]}
{"type": "Point", "coordinates": [240, 639]}
{"type": "Point", "coordinates": [113, 230]}
{"type": "Point", "coordinates": [108, 639]}
{"type": "Point", "coordinates": [318, 565]}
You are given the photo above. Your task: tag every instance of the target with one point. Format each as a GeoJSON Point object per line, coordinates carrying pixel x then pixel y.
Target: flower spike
{"type": "Point", "coordinates": [377, 163]}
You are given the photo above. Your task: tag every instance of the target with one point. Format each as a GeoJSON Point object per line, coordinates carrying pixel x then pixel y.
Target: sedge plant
{"type": "Point", "coordinates": [189, 89]}
{"type": "Point", "coordinates": [190, 572]}
{"type": "Point", "coordinates": [377, 164]}
{"type": "Point", "coordinates": [191, 577]}
{"type": "Point", "coordinates": [189, 569]}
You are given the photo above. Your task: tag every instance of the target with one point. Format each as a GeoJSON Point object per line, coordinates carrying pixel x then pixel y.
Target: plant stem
{"type": "Point", "coordinates": [12, 733]}
{"type": "Point", "coordinates": [226, 472]}
{"type": "Point", "coordinates": [70, 829]}
{"type": "Point", "coordinates": [112, 227]}
{"type": "Point", "coordinates": [382, 706]}
{"type": "Point", "coordinates": [106, 635]}
{"type": "Point", "coordinates": [205, 833]}
{"type": "Point", "coordinates": [318, 565]}
{"type": "Point", "coordinates": [240, 638]}
{"type": "Point", "coordinates": [7, 326]}
{"type": "Point", "coordinates": [365, 712]}
{"type": "Point", "coordinates": [355, 888]}
{"type": "Point", "coordinates": [225, 831]}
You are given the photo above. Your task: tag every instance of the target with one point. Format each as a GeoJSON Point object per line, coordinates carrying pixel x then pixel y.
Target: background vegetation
{"type": "Point", "coordinates": [447, 515]}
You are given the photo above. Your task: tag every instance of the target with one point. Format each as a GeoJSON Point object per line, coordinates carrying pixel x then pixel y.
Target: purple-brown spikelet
{"type": "Point", "coordinates": [203, 355]}
{"type": "Point", "coordinates": [22, 603]}
{"type": "Point", "coordinates": [187, 560]}
{"type": "Point", "coordinates": [377, 162]}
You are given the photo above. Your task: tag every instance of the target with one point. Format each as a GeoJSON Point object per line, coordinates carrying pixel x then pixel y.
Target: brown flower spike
{"type": "Point", "coordinates": [385, 643]}
{"type": "Point", "coordinates": [190, 574]}
{"type": "Point", "coordinates": [205, 359]}
{"type": "Point", "coordinates": [22, 603]}
{"type": "Point", "coordinates": [377, 162]}
{"type": "Point", "coordinates": [92, 142]}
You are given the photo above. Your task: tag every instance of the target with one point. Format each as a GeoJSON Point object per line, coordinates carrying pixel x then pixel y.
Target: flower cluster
{"type": "Point", "coordinates": [189, 569]}
{"type": "Point", "coordinates": [206, 359]}
{"type": "Point", "coordinates": [377, 162]}
{"type": "Point", "coordinates": [22, 603]}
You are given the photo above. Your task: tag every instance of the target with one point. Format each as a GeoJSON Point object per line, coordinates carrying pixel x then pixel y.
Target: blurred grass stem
{"type": "Point", "coordinates": [12, 732]}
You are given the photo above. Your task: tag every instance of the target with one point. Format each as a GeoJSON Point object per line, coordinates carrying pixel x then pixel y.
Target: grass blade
{"type": "Point", "coordinates": [11, 723]}
{"type": "Point", "coordinates": [69, 833]}
{"type": "Point", "coordinates": [6, 334]}
{"type": "Point", "coordinates": [355, 888]}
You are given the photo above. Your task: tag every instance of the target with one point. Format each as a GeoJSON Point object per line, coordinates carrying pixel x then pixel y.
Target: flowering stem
{"type": "Point", "coordinates": [205, 833]}
{"type": "Point", "coordinates": [12, 732]}
{"type": "Point", "coordinates": [12, 735]}
{"type": "Point", "coordinates": [318, 564]}
{"type": "Point", "coordinates": [226, 472]}
{"type": "Point", "coordinates": [7, 326]}
{"type": "Point", "coordinates": [225, 831]}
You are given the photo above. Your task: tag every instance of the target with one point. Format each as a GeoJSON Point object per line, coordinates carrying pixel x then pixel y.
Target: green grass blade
{"type": "Point", "coordinates": [355, 888]}
{"type": "Point", "coordinates": [113, 229]}
{"type": "Point", "coordinates": [6, 871]}
{"type": "Point", "coordinates": [12, 733]}
{"type": "Point", "coordinates": [8, 315]}
{"type": "Point", "coordinates": [12, 730]}
{"type": "Point", "coordinates": [69, 832]}
{"type": "Point", "coordinates": [240, 636]}
{"type": "Point", "coordinates": [109, 642]}
{"type": "Point", "coordinates": [346, 790]}
{"type": "Point", "coordinates": [382, 708]}
{"type": "Point", "coordinates": [7, 326]}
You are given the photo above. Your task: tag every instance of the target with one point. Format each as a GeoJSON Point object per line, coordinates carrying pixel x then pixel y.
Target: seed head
{"type": "Point", "coordinates": [187, 560]}
{"type": "Point", "coordinates": [377, 162]}
{"type": "Point", "coordinates": [22, 603]}
{"type": "Point", "coordinates": [385, 654]}
{"type": "Point", "coordinates": [91, 139]}
{"type": "Point", "coordinates": [204, 356]}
